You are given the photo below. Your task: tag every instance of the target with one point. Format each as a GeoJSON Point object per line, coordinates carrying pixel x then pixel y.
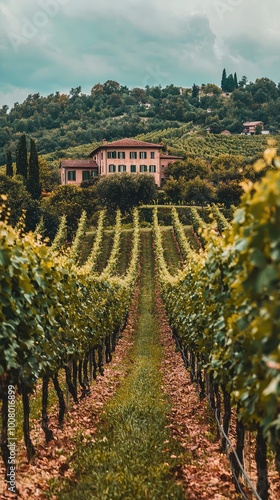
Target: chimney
{"type": "Point", "coordinates": [104, 141]}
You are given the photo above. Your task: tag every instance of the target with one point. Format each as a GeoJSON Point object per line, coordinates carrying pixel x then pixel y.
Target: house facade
{"type": "Point", "coordinates": [125, 155]}
{"type": "Point", "coordinates": [250, 127]}
{"type": "Point", "coordinates": [77, 171]}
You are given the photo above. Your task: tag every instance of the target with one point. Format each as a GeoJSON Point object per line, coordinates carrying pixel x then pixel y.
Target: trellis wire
{"type": "Point", "coordinates": [221, 430]}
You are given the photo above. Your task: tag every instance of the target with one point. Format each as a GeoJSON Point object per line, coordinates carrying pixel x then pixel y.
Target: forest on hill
{"type": "Point", "coordinates": [61, 121]}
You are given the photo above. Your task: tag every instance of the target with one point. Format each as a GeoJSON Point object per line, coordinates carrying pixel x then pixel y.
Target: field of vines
{"type": "Point", "coordinates": [64, 305]}
{"type": "Point", "coordinates": [185, 141]}
{"type": "Point", "coordinates": [180, 141]}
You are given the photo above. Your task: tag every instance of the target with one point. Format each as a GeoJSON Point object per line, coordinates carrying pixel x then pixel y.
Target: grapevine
{"type": "Point", "coordinates": [222, 222]}
{"type": "Point", "coordinates": [54, 315]}
{"type": "Point", "coordinates": [224, 309]}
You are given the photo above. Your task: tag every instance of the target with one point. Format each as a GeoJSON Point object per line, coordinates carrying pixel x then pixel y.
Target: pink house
{"type": "Point", "coordinates": [77, 171]}
{"type": "Point", "coordinates": [125, 155]}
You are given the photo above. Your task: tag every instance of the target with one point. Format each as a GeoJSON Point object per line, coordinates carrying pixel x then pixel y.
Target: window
{"type": "Point", "coordinates": [152, 169]}
{"type": "Point", "coordinates": [71, 175]}
{"type": "Point", "coordinates": [86, 175]}
{"type": "Point", "coordinates": [143, 168]}
{"type": "Point", "coordinates": [111, 154]}
{"type": "Point", "coordinates": [152, 155]}
{"type": "Point", "coordinates": [162, 168]}
{"type": "Point", "coordinates": [121, 168]}
{"type": "Point", "coordinates": [133, 155]}
{"type": "Point", "coordinates": [143, 155]}
{"type": "Point", "coordinates": [121, 155]}
{"type": "Point", "coordinates": [112, 168]}
{"type": "Point", "coordinates": [133, 169]}
{"type": "Point", "coordinates": [101, 156]}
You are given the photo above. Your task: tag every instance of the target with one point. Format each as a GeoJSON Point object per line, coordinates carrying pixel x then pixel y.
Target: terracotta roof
{"type": "Point", "coordinates": [127, 143]}
{"type": "Point", "coordinates": [171, 157]}
{"type": "Point", "coordinates": [252, 124]}
{"type": "Point", "coordinates": [72, 163]}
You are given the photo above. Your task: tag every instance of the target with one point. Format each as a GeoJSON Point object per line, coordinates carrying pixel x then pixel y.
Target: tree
{"type": "Point", "coordinates": [125, 191]}
{"type": "Point", "coordinates": [21, 157]}
{"type": "Point", "coordinates": [9, 165]}
{"type": "Point", "coordinates": [174, 188]}
{"type": "Point", "coordinates": [211, 88]}
{"type": "Point", "coordinates": [188, 169]}
{"type": "Point", "coordinates": [75, 91]}
{"type": "Point", "coordinates": [224, 81]}
{"type": "Point", "coordinates": [34, 187]}
{"type": "Point", "coordinates": [258, 130]}
{"type": "Point", "coordinates": [230, 83]}
{"type": "Point", "coordinates": [4, 109]}
{"type": "Point", "coordinates": [49, 175]}
{"type": "Point", "coordinates": [243, 82]}
{"type": "Point", "coordinates": [19, 200]}
{"type": "Point", "coordinates": [215, 128]}
{"type": "Point", "coordinates": [199, 191]}
{"type": "Point", "coordinates": [111, 86]}
{"type": "Point", "coordinates": [195, 90]}
{"type": "Point", "coordinates": [69, 200]}
{"type": "Point", "coordinates": [229, 193]}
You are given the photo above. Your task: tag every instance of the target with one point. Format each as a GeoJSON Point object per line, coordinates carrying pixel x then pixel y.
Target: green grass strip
{"type": "Point", "coordinates": [129, 459]}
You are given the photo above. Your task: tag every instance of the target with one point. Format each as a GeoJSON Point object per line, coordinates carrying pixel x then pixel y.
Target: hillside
{"type": "Point", "coordinates": [180, 142]}
{"type": "Point", "coordinates": [59, 122]}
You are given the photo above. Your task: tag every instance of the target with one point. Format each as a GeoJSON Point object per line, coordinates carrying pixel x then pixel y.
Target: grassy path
{"type": "Point", "coordinates": [129, 459]}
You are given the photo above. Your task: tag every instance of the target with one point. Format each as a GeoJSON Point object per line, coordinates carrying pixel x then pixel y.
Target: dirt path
{"type": "Point", "coordinates": [205, 474]}
{"type": "Point", "coordinates": [128, 459]}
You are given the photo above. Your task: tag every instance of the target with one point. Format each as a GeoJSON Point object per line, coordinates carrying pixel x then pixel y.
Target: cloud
{"type": "Point", "coordinates": [58, 44]}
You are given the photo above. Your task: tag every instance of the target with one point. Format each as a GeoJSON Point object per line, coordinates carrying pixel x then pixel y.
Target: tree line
{"type": "Point", "coordinates": [111, 110]}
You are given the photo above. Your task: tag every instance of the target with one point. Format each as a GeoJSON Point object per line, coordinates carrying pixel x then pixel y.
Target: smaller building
{"type": "Point", "coordinates": [166, 160]}
{"type": "Point", "coordinates": [76, 171]}
{"type": "Point", "coordinates": [251, 127]}
{"type": "Point", "coordinates": [225, 132]}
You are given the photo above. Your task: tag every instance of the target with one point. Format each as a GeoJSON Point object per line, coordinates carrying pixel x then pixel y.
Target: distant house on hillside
{"type": "Point", "coordinates": [146, 105]}
{"type": "Point", "coordinates": [125, 155]}
{"type": "Point", "coordinates": [251, 127]}
{"type": "Point", "coordinates": [225, 132]}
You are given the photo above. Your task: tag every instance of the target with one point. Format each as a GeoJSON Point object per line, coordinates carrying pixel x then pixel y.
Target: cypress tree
{"type": "Point", "coordinates": [224, 81]}
{"type": "Point", "coordinates": [34, 187]}
{"type": "Point", "coordinates": [9, 165]}
{"type": "Point", "coordinates": [21, 157]}
{"type": "Point", "coordinates": [235, 81]}
{"type": "Point", "coordinates": [230, 83]}
{"type": "Point", "coordinates": [195, 90]}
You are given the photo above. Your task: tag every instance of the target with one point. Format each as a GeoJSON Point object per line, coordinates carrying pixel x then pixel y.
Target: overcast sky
{"type": "Point", "coordinates": [54, 45]}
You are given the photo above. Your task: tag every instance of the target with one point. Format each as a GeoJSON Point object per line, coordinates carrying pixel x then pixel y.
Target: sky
{"type": "Point", "coordinates": [55, 45]}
